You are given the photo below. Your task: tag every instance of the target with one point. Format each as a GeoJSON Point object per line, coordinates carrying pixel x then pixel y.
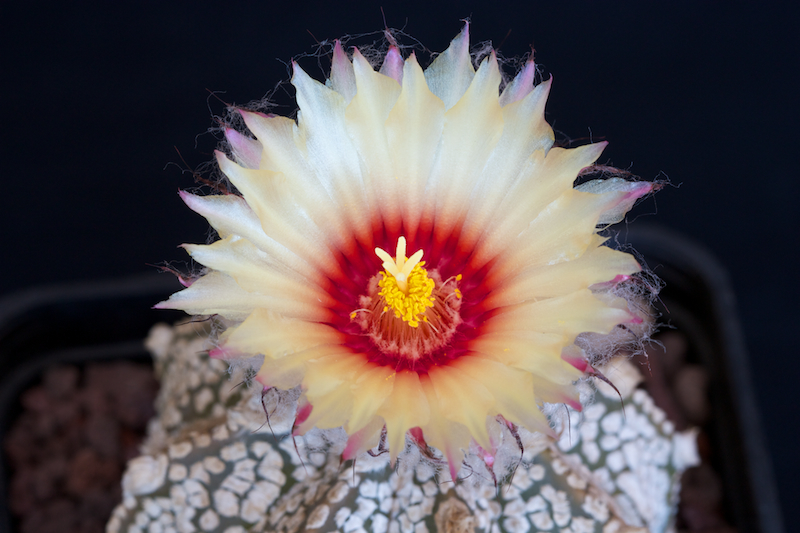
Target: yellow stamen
{"type": "Point", "coordinates": [405, 285]}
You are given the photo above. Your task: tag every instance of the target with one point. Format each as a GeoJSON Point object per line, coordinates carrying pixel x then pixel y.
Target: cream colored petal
{"type": "Point", "coordinates": [370, 389]}
{"type": "Point", "coordinates": [533, 352]}
{"type": "Point", "coordinates": [520, 86]}
{"type": "Point", "coordinates": [393, 65]}
{"type": "Point", "coordinates": [274, 336]}
{"type": "Point", "coordinates": [451, 72]}
{"type": "Point", "coordinates": [405, 407]}
{"type": "Point", "coordinates": [597, 265]}
{"type": "Point", "coordinates": [366, 117]}
{"type": "Point", "coordinates": [330, 373]}
{"type": "Point", "coordinates": [553, 391]}
{"type": "Point", "coordinates": [632, 190]}
{"type": "Point", "coordinates": [563, 231]}
{"type": "Point", "coordinates": [414, 130]}
{"type": "Point", "coordinates": [464, 400]}
{"type": "Point", "coordinates": [472, 128]}
{"type": "Point", "coordinates": [281, 152]}
{"type": "Point", "coordinates": [291, 370]}
{"type": "Point", "coordinates": [247, 151]}
{"type": "Point", "coordinates": [331, 154]}
{"type": "Point", "coordinates": [567, 315]}
{"type": "Point", "coordinates": [290, 294]}
{"type": "Point", "coordinates": [544, 180]}
{"type": "Point", "coordinates": [328, 383]}
{"type": "Point", "coordinates": [270, 197]}
{"type": "Point", "coordinates": [342, 79]}
{"type": "Point", "coordinates": [230, 215]}
{"type": "Point", "coordinates": [512, 389]}
{"type": "Point", "coordinates": [525, 132]}
{"type": "Point", "coordinates": [330, 410]}
{"type": "Point", "coordinates": [285, 153]}
{"type": "Point", "coordinates": [217, 294]}
{"type": "Point", "coordinates": [366, 438]}
{"type": "Point", "coordinates": [443, 433]}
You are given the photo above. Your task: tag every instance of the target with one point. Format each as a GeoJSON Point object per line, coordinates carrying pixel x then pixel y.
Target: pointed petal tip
{"type": "Point", "coordinates": [453, 469]}
{"type": "Point", "coordinates": [296, 70]}
{"type": "Point", "coordinates": [578, 362]}
{"type": "Point", "coordinates": [302, 414]}
{"type": "Point", "coordinates": [338, 51]}
{"type": "Point", "coordinates": [246, 114]}
{"type": "Point", "coordinates": [640, 189]}
{"type": "Point", "coordinates": [220, 353]}
{"type": "Point", "coordinates": [635, 319]}
{"type": "Point", "coordinates": [351, 448]}
{"type": "Point", "coordinates": [575, 404]}
{"type": "Point", "coordinates": [465, 28]}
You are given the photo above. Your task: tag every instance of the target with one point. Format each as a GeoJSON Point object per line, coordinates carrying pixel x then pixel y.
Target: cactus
{"type": "Point", "coordinates": [214, 462]}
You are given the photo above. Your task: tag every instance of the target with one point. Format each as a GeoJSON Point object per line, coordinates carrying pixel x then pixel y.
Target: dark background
{"type": "Point", "coordinates": [95, 96]}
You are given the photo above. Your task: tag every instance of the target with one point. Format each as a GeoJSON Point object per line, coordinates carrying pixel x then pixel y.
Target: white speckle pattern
{"type": "Point", "coordinates": [214, 465]}
{"type": "Point", "coordinates": [232, 476]}
{"type": "Point", "coordinates": [198, 472]}
{"type": "Point", "coordinates": [226, 502]}
{"type": "Point", "coordinates": [596, 508]}
{"type": "Point", "coordinates": [380, 523]}
{"type": "Point", "coordinates": [612, 423]}
{"type": "Point", "coordinates": [220, 433]}
{"type": "Point", "coordinates": [319, 516]}
{"type": "Point", "coordinates": [542, 520]}
{"type": "Point", "coordinates": [180, 450]}
{"type": "Point", "coordinates": [202, 440]}
{"type": "Point", "coordinates": [236, 485]}
{"type": "Point", "coordinates": [234, 452]}
{"type": "Point", "coordinates": [609, 442]}
{"type": "Point", "coordinates": [196, 494]}
{"type": "Point", "coordinates": [591, 451]}
{"type": "Point", "coordinates": [576, 482]}
{"type": "Point", "coordinates": [177, 472]}
{"type": "Point", "coordinates": [145, 475]}
{"type": "Point", "coordinates": [202, 399]}
{"type": "Point", "coordinates": [594, 411]}
{"type": "Point", "coordinates": [209, 520]}
{"type": "Point", "coordinates": [341, 516]}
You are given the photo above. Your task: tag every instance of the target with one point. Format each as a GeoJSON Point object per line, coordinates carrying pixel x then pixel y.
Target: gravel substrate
{"type": "Point", "coordinates": [68, 447]}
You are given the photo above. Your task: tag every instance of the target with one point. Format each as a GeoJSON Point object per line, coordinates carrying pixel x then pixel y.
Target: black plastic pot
{"type": "Point", "coordinates": [698, 300]}
{"type": "Point", "coordinates": [87, 322]}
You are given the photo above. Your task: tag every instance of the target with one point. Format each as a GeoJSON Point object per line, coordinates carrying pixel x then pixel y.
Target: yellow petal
{"type": "Point", "coordinates": [372, 386]}
{"type": "Point", "coordinates": [462, 399]}
{"type": "Point", "coordinates": [512, 389]}
{"type": "Point", "coordinates": [289, 371]}
{"type": "Point", "coordinates": [275, 336]}
{"type": "Point", "coordinates": [406, 407]}
{"type": "Point", "coordinates": [597, 265]}
{"type": "Point", "coordinates": [441, 432]}
{"type": "Point", "coordinates": [568, 315]}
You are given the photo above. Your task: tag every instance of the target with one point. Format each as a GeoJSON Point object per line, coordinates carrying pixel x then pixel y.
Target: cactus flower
{"type": "Point", "coordinates": [411, 251]}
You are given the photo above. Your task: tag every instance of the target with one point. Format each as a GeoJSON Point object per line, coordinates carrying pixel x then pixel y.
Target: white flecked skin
{"type": "Point", "coordinates": [221, 468]}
